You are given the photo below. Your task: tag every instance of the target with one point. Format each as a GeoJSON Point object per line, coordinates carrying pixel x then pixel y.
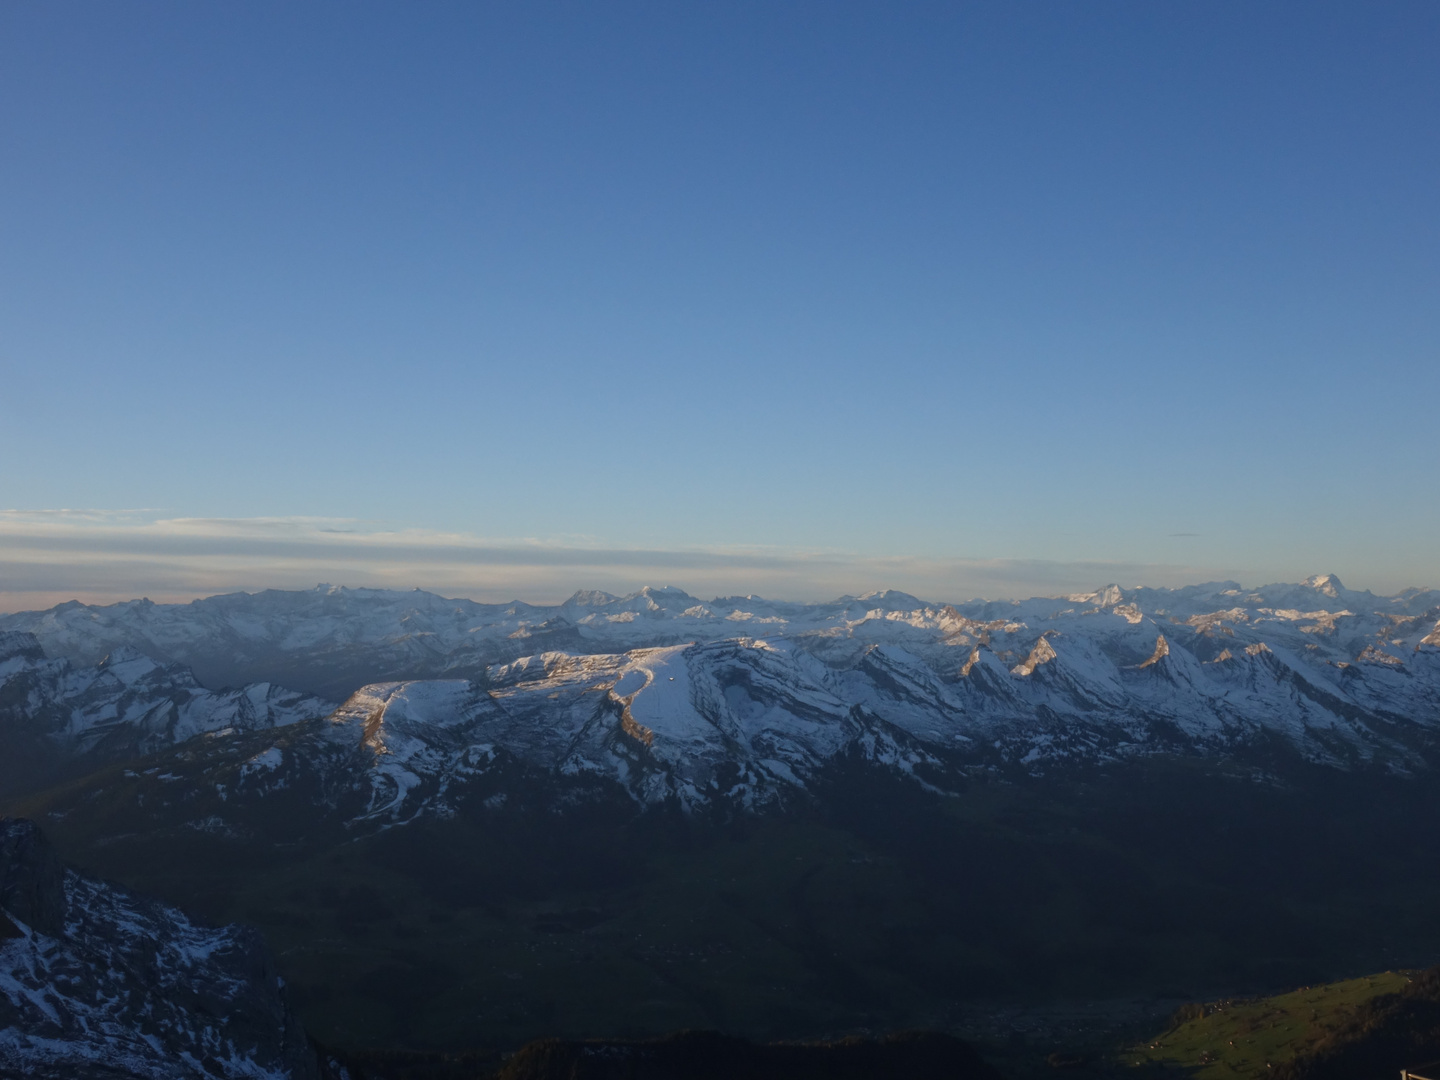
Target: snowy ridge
{"type": "Point", "coordinates": [742, 701]}
{"type": "Point", "coordinates": [424, 635]}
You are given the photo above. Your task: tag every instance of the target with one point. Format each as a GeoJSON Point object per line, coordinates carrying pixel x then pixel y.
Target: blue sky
{"type": "Point", "coordinates": [1144, 292]}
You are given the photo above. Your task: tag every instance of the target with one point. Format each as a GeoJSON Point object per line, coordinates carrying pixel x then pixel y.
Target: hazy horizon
{"type": "Point", "coordinates": [108, 557]}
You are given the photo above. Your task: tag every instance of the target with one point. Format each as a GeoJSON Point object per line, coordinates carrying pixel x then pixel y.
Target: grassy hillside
{"type": "Point", "coordinates": [1388, 1032]}
{"type": "Point", "coordinates": [1248, 1039]}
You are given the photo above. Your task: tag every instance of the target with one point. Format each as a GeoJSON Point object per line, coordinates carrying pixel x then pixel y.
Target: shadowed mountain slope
{"type": "Point", "coordinates": [97, 983]}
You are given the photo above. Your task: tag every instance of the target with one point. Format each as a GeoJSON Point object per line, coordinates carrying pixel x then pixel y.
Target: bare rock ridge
{"type": "Point", "coordinates": [97, 983]}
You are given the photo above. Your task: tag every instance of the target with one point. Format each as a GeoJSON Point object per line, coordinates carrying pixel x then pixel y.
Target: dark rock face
{"type": "Point", "coordinates": [32, 881]}
{"type": "Point", "coordinates": [96, 982]}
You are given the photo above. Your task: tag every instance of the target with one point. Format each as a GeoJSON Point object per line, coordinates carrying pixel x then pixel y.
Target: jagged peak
{"type": "Point", "coordinates": [1042, 653]}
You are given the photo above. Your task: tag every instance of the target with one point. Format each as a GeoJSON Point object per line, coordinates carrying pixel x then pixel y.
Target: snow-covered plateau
{"type": "Point", "coordinates": [740, 700]}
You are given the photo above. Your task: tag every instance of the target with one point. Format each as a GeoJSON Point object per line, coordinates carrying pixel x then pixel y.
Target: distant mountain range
{"type": "Point", "coordinates": [470, 823]}
{"type": "Point", "coordinates": [733, 701]}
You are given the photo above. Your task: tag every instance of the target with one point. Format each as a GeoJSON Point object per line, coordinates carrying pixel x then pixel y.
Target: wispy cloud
{"type": "Point", "coordinates": [48, 556]}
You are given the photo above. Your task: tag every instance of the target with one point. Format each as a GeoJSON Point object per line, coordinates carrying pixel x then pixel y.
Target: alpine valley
{"type": "Point", "coordinates": [463, 825]}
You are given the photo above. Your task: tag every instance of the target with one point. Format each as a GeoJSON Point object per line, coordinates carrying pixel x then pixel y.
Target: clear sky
{"type": "Point", "coordinates": [1146, 292]}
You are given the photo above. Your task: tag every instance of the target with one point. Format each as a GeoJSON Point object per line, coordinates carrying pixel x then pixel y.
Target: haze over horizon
{"type": "Point", "coordinates": [1002, 300]}
{"type": "Point", "coordinates": [104, 558]}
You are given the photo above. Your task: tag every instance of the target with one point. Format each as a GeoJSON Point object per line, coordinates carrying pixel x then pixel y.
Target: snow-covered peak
{"type": "Point", "coordinates": [1329, 584]}
{"type": "Point", "coordinates": [1110, 596]}
{"type": "Point", "coordinates": [589, 598]}
{"type": "Point", "coordinates": [891, 600]}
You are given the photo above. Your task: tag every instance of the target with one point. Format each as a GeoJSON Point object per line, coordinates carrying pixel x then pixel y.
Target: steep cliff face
{"type": "Point", "coordinates": [97, 982]}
